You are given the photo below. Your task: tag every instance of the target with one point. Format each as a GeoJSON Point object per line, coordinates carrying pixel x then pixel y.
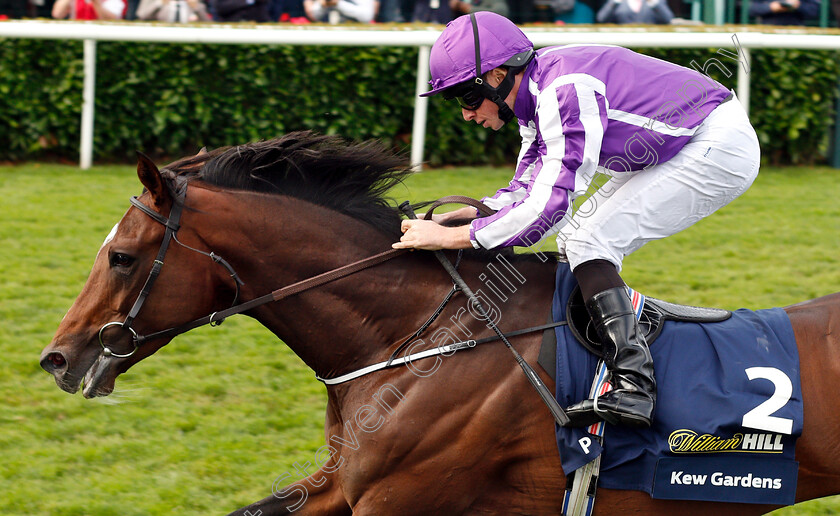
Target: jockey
{"type": "Point", "coordinates": [618, 149]}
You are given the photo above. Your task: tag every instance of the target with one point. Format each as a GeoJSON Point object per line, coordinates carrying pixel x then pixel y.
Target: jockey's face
{"type": "Point", "coordinates": [486, 115]}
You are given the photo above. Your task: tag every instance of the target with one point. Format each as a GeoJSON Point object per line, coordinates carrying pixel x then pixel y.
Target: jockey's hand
{"type": "Point", "coordinates": [440, 218]}
{"type": "Point", "coordinates": [431, 236]}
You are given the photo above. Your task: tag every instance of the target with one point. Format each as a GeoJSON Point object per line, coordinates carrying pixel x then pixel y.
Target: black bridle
{"type": "Point", "coordinates": [172, 224]}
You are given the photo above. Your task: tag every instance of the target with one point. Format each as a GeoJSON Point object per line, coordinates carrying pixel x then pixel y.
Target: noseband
{"type": "Point", "coordinates": [172, 224]}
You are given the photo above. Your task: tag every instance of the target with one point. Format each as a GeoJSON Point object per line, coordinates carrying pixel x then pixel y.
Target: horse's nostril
{"type": "Point", "coordinates": [53, 362]}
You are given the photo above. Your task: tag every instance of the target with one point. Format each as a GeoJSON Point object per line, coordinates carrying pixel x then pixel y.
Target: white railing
{"type": "Point", "coordinates": [740, 39]}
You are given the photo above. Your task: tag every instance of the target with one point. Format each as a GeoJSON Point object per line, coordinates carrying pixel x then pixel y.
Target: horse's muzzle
{"type": "Point", "coordinates": [57, 364]}
{"type": "Point", "coordinates": [68, 364]}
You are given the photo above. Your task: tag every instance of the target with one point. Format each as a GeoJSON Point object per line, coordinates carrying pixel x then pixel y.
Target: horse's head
{"type": "Point", "coordinates": [97, 339]}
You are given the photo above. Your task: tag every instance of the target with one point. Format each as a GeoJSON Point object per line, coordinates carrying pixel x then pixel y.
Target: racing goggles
{"type": "Point", "coordinates": [468, 95]}
{"type": "Point", "coordinates": [470, 100]}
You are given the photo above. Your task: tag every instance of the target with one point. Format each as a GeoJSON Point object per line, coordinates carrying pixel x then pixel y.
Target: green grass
{"type": "Point", "coordinates": [207, 424]}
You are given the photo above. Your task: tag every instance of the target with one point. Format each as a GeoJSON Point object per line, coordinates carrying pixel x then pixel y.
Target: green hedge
{"type": "Point", "coordinates": [169, 100]}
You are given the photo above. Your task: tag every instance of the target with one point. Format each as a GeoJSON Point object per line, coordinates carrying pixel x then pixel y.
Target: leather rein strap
{"type": "Point", "coordinates": [482, 208]}
{"type": "Point", "coordinates": [172, 225]}
{"type": "Point", "coordinates": [216, 318]}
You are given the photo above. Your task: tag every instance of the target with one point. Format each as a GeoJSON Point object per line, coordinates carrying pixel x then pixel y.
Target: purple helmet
{"type": "Point", "coordinates": [453, 56]}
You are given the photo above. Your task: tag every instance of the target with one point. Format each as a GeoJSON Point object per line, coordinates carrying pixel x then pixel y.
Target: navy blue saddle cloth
{"type": "Point", "coordinates": [729, 405]}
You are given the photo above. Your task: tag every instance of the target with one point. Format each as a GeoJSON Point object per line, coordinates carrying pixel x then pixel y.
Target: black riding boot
{"type": "Point", "coordinates": [627, 357]}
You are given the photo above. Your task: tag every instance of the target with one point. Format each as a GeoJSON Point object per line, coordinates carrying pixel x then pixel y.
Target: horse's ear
{"type": "Point", "coordinates": [150, 176]}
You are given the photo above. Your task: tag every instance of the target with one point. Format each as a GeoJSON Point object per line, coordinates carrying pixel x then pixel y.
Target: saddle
{"type": "Point", "coordinates": [654, 314]}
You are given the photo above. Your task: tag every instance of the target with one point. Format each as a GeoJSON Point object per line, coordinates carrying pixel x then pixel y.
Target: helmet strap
{"type": "Point", "coordinates": [501, 92]}
{"type": "Point", "coordinates": [496, 95]}
{"type": "Point", "coordinates": [477, 46]}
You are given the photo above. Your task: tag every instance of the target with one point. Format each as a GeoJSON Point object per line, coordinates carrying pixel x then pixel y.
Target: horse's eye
{"type": "Point", "coordinates": [121, 260]}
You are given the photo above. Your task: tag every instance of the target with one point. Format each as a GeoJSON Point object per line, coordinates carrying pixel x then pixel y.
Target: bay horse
{"type": "Point", "coordinates": [459, 433]}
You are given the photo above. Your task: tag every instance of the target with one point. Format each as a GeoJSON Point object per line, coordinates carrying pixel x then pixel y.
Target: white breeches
{"type": "Point", "coordinates": [717, 165]}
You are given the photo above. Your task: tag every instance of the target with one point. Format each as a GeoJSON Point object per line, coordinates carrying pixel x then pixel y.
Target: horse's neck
{"type": "Point", "coordinates": [338, 326]}
{"type": "Point", "coordinates": [359, 320]}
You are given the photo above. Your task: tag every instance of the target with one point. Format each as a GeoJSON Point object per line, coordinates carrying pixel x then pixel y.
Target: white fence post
{"type": "Point", "coordinates": [744, 80]}
{"type": "Point", "coordinates": [421, 106]}
{"type": "Point", "coordinates": [88, 102]}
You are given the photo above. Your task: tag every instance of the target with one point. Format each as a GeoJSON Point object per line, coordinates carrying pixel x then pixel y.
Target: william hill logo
{"type": "Point", "coordinates": [689, 441]}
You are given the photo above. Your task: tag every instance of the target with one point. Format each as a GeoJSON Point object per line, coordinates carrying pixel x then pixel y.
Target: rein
{"type": "Point", "coordinates": [216, 318]}
{"type": "Point", "coordinates": [172, 224]}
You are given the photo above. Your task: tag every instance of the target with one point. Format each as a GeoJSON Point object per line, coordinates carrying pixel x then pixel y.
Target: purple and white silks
{"type": "Point", "coordinates": [581, 107]}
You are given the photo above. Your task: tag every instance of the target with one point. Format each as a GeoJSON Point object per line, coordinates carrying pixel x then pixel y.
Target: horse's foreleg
{"type": "Point", "coordinates": [315, 494]}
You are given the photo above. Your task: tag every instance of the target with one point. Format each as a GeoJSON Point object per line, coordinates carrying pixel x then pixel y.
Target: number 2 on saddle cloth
{"type": "Point", "coordinates": [729, 403]}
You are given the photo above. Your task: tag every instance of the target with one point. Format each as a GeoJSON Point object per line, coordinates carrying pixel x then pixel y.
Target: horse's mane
{"type": "Point", "coordinates": [351, 178]}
